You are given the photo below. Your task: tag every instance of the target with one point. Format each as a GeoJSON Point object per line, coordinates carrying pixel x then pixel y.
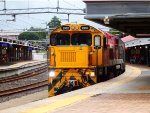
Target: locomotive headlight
{"type": "Point", "coordinates": [51, 74]}
{"type": "Point", "coordinates": [72, 27]}
{"type": "Point", "coordinates": [92, 74]}
{"type": "Point", "coordinates": [77, 27]}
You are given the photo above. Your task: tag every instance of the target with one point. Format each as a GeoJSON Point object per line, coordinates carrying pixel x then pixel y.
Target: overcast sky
{"type": "Point", "coordinates": [39, 20]}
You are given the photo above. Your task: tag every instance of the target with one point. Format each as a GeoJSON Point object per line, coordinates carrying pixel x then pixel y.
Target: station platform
{"type": "Point", "coordinates": [20, 64]}
{"type": "Point", "coordinates": [17, 68]}
{"type": "Point", "coordinates": [127, 93]}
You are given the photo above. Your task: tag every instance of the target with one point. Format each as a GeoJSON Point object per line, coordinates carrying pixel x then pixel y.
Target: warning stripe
{"type": "Point", "coordinates": [57, 105]}
{"type": "Point", "coordinates": [55, 81]}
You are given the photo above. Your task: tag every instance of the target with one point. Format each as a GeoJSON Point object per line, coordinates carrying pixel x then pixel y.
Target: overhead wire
{"type": "Point", "coordinates": [29, 23]}
{"type": "Point", "coordinates": [73, 5]}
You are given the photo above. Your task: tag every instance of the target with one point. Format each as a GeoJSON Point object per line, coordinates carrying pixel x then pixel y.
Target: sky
{"type": "Point", "coordinates": [40, 20]}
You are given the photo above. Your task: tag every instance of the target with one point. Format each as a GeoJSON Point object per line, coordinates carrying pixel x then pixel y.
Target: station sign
{"type": "Point", "coordinates": [65, 28]}
{"type": "Point", "coordinates": [30, 48]}
{"type": "Point", "coordinates": [85, 27]}
{"type": "Point", "coordinates": [3, 44]}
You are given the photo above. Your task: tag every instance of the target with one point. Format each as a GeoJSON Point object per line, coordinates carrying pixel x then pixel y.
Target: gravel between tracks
{"type": "Point", "coordinates": [22, 82]}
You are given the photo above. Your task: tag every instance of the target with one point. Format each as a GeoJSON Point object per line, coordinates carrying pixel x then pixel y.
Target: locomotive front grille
{"type": "Point", "coordinates": [71, 57]}
{"type": "Point", "coordinates": [68, 57]}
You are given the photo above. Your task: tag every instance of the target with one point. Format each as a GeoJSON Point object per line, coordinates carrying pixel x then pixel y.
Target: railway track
{"type": "Point", "coordinates": [31, 73]}
{"type": "Point", "coordinates": [21, 88]}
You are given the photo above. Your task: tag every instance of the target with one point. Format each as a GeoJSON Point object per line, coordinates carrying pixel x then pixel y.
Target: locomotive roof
{"type": "Point", "coordinates": [107, 35]}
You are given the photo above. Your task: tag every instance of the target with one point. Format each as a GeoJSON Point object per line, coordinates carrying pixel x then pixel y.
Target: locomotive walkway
{"type": "Point", "coordinates": [127, 93]}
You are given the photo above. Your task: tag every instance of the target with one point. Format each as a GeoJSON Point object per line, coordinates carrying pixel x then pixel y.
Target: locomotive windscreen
{"type": "Point", "coordinates": [81, 38]}
{"type": "Point", "coordinates": [60, 39]}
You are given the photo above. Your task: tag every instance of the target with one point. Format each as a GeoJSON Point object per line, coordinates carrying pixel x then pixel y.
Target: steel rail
{"type": "Point", "coordinates": [24, 88]}
{"type": "Point", "coordinates": [31, 73]}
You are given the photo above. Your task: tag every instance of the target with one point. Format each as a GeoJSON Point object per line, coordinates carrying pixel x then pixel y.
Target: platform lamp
{"type": "Point", "coordinates": [146, 47]}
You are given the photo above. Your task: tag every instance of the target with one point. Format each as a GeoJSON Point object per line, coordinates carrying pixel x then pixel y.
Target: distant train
{"type": "Point", "coordinates": [81, 55]}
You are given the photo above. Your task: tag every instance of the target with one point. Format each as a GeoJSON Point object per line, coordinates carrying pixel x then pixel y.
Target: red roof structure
{"type": "Point", "coordinates": [128, 38]}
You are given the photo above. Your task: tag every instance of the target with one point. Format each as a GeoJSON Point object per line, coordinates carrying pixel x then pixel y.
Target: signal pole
{"type": "Point", "coordinates": [57, 5]}
{"type": "Point", "coordinates": [4, 4]}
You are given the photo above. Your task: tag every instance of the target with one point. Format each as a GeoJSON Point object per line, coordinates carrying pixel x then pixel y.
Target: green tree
{"type": "Point", "coordinates": [42, 35]}
{"type": "Point", "coordinates": [39, 31]}
{"type": "Point", "coordinates": [28, 36]}
{"type": "Point", "coordinates": [55, 22]}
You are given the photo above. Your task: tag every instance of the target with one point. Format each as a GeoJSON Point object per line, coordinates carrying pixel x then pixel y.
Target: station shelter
{"type": "Point", "coordinates": [14, 50]}
{"type": "Point", "coordinates": [138, 50]}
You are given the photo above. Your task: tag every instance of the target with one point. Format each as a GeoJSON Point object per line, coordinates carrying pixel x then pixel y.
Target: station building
{"type": "Point", "coordinates": [137, 50]}
{"type": "Point", "coordinates": [15, 50]}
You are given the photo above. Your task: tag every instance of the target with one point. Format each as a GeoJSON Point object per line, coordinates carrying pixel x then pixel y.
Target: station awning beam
{"type": "Point", "coordinates": [128, 16]}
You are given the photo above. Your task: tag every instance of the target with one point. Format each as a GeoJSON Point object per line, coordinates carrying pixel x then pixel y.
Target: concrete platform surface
{"type": "Point", "coordinates": [110, 103]}
{"type": "Point", "coordinates": [20, 64]}
{"type": "Point", "coordinates": [92, 99]}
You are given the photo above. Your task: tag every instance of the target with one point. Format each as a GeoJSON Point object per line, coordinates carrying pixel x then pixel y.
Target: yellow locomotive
{"type": "Point", "coordinates": [81, 55]}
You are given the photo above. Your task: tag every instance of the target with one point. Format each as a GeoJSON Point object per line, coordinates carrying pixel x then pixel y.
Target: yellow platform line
{"type": "Point", "coordinates": [144, 88]}
{"type": "Point", "coordinates": [57, 104]}
{"type": "Point", "coordinates": [135, 73]}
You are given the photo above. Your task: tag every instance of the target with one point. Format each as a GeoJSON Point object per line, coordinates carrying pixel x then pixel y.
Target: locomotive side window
{"type": "Point", "coordinates": [81, 38]}
{"type": "Point", "coordinates": [60, 39]}
{"type": "Point", "coordinates": [97, 41]}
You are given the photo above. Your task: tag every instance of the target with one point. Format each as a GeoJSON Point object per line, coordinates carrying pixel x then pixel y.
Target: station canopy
{"type": "Point", "coordinates": [129, 16]}
{"type": "Point", "coordinates": [138, 42]}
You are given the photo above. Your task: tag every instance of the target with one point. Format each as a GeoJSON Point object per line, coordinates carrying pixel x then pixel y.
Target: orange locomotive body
{"type": "Point", "coordinates": [81, 55]}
